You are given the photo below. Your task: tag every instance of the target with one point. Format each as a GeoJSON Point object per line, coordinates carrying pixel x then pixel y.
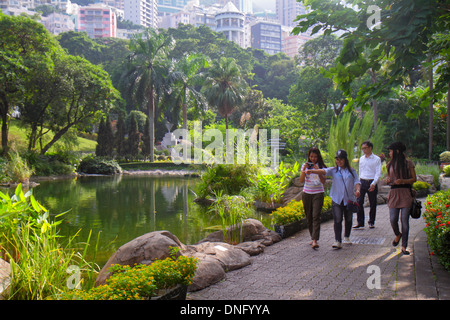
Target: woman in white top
{"type": "Point", "coordinates": [313, 193]}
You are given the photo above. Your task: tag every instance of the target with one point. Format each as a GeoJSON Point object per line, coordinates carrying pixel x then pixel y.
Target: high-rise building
{"type": "Point", "coordinates": [288, 10]}
{"type": "Point", "coordinates": [142, 12]}
{"type": "Point", "coordinates": [266, 35]}
{"type": "Point", "coordinates": [98, 21]}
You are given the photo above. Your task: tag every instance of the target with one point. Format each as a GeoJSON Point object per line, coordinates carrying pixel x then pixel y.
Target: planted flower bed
{"type": "Point", "coordinates": [437, 217]}
{"type": "Point", "coordinates": [291, 218]}
{"type": "Point", "coordinates": [162, 280]}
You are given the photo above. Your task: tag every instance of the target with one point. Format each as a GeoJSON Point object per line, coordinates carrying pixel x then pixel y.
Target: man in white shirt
{"type": "Point", "coordinates": [369, 174]}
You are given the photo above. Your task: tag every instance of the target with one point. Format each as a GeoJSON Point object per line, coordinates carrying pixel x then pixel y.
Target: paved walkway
{"type": "Point", "coordinates": [291, 270]}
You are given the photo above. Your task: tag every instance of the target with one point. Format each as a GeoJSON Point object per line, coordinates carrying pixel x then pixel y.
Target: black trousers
{"type": "Point", "coordinates": [365, 185]}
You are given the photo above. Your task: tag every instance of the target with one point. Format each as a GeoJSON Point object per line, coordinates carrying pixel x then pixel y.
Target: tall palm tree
{"type": "Point", "coordinates": [225, 86]}
{"type": "Point", "coordinates": [145, 76]}
{"type": "Point", "coordinates": [185, 82]}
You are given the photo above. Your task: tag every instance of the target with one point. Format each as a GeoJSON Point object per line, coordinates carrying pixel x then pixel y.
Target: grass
{"type": "Point", "coordinates": [18, 138]}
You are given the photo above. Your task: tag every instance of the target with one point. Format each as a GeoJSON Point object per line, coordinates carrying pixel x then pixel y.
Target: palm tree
{"type": "Point", "coordinates": [144, 79]}
{"type": "Point", "coordinates": [185, 81]}
{"type": "Point", "coordinates": [225, 86]}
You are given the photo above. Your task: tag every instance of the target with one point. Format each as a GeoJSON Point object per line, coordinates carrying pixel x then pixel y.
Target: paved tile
{"type": "Point", "coordinates": [291, 270]}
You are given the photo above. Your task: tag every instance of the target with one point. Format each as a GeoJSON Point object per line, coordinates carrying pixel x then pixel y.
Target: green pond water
{"type": "Point", "coordinates": [120, 208]}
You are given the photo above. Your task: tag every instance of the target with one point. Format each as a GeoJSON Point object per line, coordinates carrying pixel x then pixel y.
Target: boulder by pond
{"type": "Point", "coordinates": [215, 256]}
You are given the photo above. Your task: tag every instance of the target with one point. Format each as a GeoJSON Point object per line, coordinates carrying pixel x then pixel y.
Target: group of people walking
{"type": "Point", "coordinates": [348, 191]}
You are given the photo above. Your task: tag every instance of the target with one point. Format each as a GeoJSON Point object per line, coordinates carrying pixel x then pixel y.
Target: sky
{"type": "Point", "coordinates": [265, 4]}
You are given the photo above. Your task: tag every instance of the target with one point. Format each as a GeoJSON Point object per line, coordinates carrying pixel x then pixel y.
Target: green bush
{"type": "Point", "coordinates": [227, 178]}
{"type": "Point", "coordinates": [60, 163]}
{"type": "Point", "coordinates": [141, 282]}
{"type": "Point", "coordinates": [29, 241]}
{"type": "Point", "coordinates": [437, 218]}
{"type": "Point", "coordinates": [446, 170]}
{"type": "Point", "coordinates": [445, 156]}
{"type": "Point", "coordinates": [421, 185]}
{"type": "Point", "coordinates": [99, 165]}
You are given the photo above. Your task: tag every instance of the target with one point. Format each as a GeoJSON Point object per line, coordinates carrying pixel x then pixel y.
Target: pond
{"type": "Point", "coordinates": [117, 209]}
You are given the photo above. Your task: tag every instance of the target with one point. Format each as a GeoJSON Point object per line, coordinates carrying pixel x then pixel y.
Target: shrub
{"type": "Point", "coordinates": [227, 178]}
{"type": "Point", "coordinates": [446, 170]}
{"type": "Point", "coordinates": [99, 165]}
{"type": "Point", "coordinates": [421, 185]}
{"type": "Point", "coordinates": [141, 282]}
{"type": "Point", "coordinates": [29, 241]}
{"type": "Point", "coordinates": [294, 211]}
{"type": "Point", "coordinates": [437, 218]}
{"type": "Point", "coordinates": [445, 156]}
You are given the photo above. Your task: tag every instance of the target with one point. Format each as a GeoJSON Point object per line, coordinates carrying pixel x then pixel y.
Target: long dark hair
{"type": "Point", "coordinates": [346, 163]}
{"type": "Point", "coordinates": [319, 156]}
{"type": "Point", "coordinates": [398, 161]}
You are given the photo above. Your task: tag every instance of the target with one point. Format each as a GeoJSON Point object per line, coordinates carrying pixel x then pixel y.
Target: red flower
{"type": "Point", "coordinates": [431, 253]}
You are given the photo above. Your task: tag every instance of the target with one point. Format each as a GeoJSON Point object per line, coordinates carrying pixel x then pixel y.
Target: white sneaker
{"type": "Point", "coordinates": [347, 240]}
{"type": "Point", "coordinates": [337, 245]}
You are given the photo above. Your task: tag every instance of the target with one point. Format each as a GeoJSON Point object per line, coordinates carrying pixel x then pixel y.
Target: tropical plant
{"type": "Point", "coordinates": [186, 78]}
{"type": "Point", "coordinates": [144, 78]}
{"type": "Point", "coordinates": [224, 86]}
{"type": "Point", "coordinates": [29, 240]}
{"type": "Point", "coordinates": [230, 179]}
{"type": "Point", "coordinates": [232, 210]}
{"type": "Point", "coordinates": [347, 137]}
{"type": "Point", "coordinates": [270, 186]}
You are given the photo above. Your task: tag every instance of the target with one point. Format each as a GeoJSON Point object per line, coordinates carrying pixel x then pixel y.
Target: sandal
{"type": "Point", "coordinates": [395, 243]}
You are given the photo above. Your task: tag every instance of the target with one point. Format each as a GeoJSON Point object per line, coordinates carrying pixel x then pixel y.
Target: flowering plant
{"type": "Point", "coordinates": [142, 281]}
{"type": "Point", "coordinates": [295, 211]}
{"type": "Point", "coordinates": [437, 218]}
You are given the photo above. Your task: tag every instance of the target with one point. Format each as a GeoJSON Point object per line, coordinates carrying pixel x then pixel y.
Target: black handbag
{"type": "Point", "coordinates": [416, 207]}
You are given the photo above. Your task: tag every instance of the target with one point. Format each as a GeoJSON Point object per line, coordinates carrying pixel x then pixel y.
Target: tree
{"type": "Point", "coordinates": [25, 46]}
{"type": "Point", "coordinates": [187, 77]}
{"type": "Point", "coordinates": [144, 78]}
{"type": "Point", "coordinates": [224, 86]}
{"type": "Point", "coordinates": [403, 39]}
{"type": "Point", "coordinates": [133, 137]}
{"type": "Point", "coordinates": [88, 94]}
{"type": "Point", "coordinates": [120, 136]}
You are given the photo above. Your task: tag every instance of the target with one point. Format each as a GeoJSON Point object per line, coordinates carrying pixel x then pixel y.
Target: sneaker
{"type": "Point", "coordinates": [358, 226]}
{"type": "Point", "coordinates": [337, 245]}
{"type": "Point", "coordinates": [347, 240]}
{"type": "Point", "coordinates": [371, 225]}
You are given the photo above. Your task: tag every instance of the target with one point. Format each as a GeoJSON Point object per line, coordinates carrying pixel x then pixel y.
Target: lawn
{"type": "Point", "coordinates": [18, 139]}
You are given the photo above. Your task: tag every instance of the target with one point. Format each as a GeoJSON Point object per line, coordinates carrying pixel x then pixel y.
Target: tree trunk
{"type": "Point", "coordinates": [4, 114]}
{"type": "Point", "coordinates": [5, 133]}
{"type": "Point", "coordinates": [184, 116]}
{"type": "Point", "coordinates": [430, 110]}
{"type": "Point", "coordinates": [151, 125]}
{"type": "Point", "coordinates": [56, 137]}
{"type": "Point", "coordinates": [448, 118]}
{"type": "Point", "coordinates": [373, 77]}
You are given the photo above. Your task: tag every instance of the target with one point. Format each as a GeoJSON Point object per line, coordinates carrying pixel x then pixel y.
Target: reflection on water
{"type": "Point", "coordinates": [122, 208]}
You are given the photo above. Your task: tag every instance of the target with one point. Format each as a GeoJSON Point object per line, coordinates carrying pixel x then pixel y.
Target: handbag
{"type": "Point", "coordinates": [416, 207]}
{"type": "Point", "coordinates": [351, 206]}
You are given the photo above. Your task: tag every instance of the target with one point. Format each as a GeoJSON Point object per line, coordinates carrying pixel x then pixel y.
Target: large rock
{"type": "Point", "coordinates": [215, 256]}
{"type": "Point", "coordinates": [141, 250]}
{"type": "Point", "coordinates": [252, 230]}
{"type": "Point", "coordinates": [444, 182]}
